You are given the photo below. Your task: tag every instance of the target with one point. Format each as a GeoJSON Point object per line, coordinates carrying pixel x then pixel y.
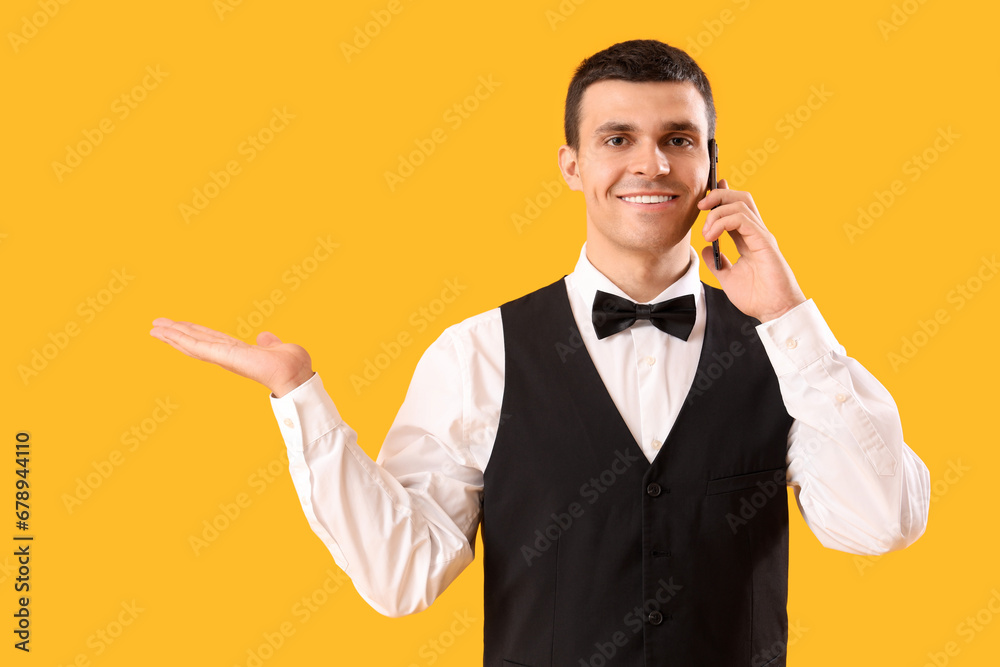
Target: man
{"type": "Point", "coordinates": [625, 461]}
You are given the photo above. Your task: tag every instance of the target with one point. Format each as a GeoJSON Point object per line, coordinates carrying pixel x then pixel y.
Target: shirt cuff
{"type": "Point", "coordinates": [305, 413]}
{"type": "Point", "coordinates": [797, 339]}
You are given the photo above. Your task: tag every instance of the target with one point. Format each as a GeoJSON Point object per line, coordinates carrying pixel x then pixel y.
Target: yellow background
{"type": "Point", "coordinates": [225, 71]}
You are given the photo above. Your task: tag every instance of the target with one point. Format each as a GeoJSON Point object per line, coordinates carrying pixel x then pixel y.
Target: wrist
{"type": "Point", "coordinates": [769, 317]}
{"type": "Point", "coordinates": [292, 384]}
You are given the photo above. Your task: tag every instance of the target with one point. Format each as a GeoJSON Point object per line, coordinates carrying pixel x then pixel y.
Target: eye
{"type": "Point", "coordinates": [612, 141]}
{"type": "Point", "coordinates": [683, 141]}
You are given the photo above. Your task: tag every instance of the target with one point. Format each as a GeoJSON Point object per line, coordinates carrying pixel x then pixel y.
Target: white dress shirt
{"type": "Point", "coordinates": [404, 526]}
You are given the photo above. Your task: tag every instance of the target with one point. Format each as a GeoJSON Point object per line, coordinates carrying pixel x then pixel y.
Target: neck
{"type": "Point", "coordinates": [642, 275]}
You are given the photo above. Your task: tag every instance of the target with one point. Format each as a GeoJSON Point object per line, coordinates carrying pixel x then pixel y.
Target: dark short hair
{"type": "Point", "coordinates": [637, 60]}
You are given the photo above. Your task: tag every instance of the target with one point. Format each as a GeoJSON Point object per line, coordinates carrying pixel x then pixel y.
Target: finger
{"type": "Point", "coordinates": [726, 195]}
{"type": "Point", "coordinates": [212, 333]}
{"type": "Point", "coordinates": [721, 196]}
{"type": "Point", "coordinates": [201, 333]}
{"type": "Point", "coordinates": [179, 340]}
{"type": "Point", "coordinates": [739, 242]}
{"type": "Point", "coordinates": [748, 199]}
{"type": "Point", "coordinates": [723, 217]}
{"type": "Point", "coordinates": [196, 333]}
{"type": "Point", "coordinates": [194, 330]}
{"type": "Point", "coordinates": [267, 339]}
{"type": "Point", "coordinates": [742, 247]}
{"type": "Point", "coordinates": [708, 256]}
{"type": "Point", "coordinates": [734, 218]}
{"type": "Point", "coordinates": [752, 205]}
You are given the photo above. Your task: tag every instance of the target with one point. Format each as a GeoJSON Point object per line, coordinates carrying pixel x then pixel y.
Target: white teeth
{"type": "Point", "coordinates": [647, 199]}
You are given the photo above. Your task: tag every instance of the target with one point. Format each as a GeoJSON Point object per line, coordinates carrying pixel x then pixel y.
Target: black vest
{"type": "Point", "coordinates": [594, 556]}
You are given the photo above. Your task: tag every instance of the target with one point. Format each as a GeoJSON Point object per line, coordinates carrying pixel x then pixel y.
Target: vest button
{"type": "Point", "coordinates": [655, 617]}
{"type": "Point", "coordinates": [653, 489]}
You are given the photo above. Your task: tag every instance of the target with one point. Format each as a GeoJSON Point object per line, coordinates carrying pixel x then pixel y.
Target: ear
{"type": "Point", "coordinates": [570, 168]}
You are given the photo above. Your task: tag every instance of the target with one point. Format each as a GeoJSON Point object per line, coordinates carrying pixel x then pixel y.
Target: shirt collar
{"type": "Point", "coordinates": [586, 280]}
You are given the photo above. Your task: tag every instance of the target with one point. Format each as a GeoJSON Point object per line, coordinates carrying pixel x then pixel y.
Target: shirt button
{"type": "Point", "coordinates": [791, 343]}
{"type": "Point", "coordinates": [653, 489]}
{"type": "Point", "coordinates": [289, 423]}
{"type": "Point", "coordinates": [656, 445]}
{"type": "Point", "coordinates": [650, 361]}
{"type": "Point", "coordinates": [655, 617]}
{"type": "Point", "coordinates": [841, 398]}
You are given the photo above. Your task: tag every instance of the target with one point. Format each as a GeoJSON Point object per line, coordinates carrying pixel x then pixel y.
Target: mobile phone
{"type": "Point", "coordinates": [713, 161]}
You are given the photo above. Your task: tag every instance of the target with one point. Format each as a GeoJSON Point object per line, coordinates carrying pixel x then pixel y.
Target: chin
{"type": "Point", "coordinates": [659, 245]}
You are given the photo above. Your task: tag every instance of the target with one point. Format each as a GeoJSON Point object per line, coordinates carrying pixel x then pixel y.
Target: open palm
{"type": "Point", "coordinates": [278, 366]}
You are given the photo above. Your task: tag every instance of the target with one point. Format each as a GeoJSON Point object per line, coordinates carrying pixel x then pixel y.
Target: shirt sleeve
{"type": "Point", "coordinates": [859, 487]}
{"type": "Point", "coordinates": [401, 529]}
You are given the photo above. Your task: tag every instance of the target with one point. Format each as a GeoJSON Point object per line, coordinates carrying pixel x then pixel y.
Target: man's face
{"type": "Point", "coordinates": [639, 139]}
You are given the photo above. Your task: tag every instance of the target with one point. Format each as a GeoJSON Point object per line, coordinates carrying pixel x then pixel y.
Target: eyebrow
{"type": "Point", "coordinates": [623, 126]}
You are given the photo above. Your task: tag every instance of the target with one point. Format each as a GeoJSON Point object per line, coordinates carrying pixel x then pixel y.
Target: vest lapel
{"type": "Point", "coordinates": [588, 389]}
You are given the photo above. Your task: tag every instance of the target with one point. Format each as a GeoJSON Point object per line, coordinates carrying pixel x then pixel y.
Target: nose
{"type": "Point", "coordinates": [649, 160]}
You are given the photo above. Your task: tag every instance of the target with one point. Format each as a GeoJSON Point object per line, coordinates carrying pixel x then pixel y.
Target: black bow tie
{"type": "Point", "coordinates": [613, 314]}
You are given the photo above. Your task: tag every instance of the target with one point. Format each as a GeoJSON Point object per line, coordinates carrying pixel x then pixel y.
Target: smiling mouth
{"type": "Point", "coordinates": [649, 199]}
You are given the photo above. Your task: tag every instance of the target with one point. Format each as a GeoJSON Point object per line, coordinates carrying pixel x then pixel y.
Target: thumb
{"type": "Point", "coordinates": [267, 339]}
{"type": "Point", "coordinates": [708, 255]}
{"type": "Point", "coordinates": [709, 258]}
